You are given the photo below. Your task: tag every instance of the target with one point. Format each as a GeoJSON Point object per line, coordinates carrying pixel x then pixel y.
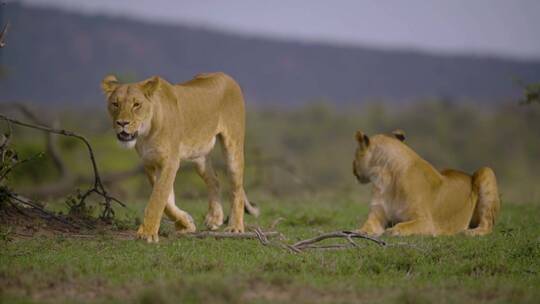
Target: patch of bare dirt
{"type": "Point", "coordinates": [22, 222]}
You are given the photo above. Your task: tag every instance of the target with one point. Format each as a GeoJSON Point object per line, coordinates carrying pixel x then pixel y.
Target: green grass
{"type": "Point", "coordinates": [500, 268]}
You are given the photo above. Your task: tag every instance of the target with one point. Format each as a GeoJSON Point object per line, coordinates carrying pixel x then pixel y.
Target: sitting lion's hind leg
{"type": "Point", "coordinates": [488, 204]}
{"type": "Point", "coordinates": [214, 218]}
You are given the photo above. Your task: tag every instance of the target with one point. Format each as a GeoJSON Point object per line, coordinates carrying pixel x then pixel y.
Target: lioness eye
{"type": "Point", "coordinates": [136, 105]}
{"type": "Point", "coordinates": [115, 104]}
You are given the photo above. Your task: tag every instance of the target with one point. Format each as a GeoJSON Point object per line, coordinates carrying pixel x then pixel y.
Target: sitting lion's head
{"type": "Point", "coordinates": [367, 147]}
{"type": "Point", "coordinates": [130, 107]}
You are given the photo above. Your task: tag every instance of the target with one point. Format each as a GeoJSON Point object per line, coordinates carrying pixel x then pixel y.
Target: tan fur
{"type": "Point", "coordinates": [170, 123]}
{"type": "Point", "coordinates": [412, 197]}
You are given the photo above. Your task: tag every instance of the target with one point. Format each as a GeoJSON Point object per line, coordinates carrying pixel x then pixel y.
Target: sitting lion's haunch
{"type": "Point", "coordinates": [412, 197]}
{"type": "Point", "coordinates": [170, 123]}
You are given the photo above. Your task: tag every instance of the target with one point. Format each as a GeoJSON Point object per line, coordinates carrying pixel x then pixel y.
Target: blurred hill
{"type": "Point", "coordinates": [56, 56]}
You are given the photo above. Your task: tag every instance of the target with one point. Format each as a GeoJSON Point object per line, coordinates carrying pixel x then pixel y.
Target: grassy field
{"type": "Point", "coordinates": [503, 267]}
{"type": "Point", "coordinates": [290, 175]}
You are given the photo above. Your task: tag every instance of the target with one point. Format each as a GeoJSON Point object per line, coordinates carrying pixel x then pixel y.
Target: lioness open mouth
{"type": "Point", "coordinates": [124, 136]}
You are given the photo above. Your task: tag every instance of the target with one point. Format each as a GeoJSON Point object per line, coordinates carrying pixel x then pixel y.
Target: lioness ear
{"type": "Point", "coordinates": [362, 138]}
{"type": "Point", "coordinates": [150, 86]}
{"type": "Point", "coordinates": [399, 134]}
{"type": "Point", "coordinates": [109, 84]}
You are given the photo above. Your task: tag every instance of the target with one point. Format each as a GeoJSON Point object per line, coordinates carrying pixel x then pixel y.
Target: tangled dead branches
{"type": "Point", "coordinates": [10, 160]}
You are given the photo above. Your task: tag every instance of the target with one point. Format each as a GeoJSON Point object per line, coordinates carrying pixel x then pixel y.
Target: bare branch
{"type": "Point", "coordinates": [275, 223]}
{"type": "Point", "coordinates": [66, 185]}
{"type": "Point", "coordinates": [50, 139]}
{"type": "Point", "coordinates": [298, 247]}
{"type": "Point", "coordinates": [261, 236]}
{"type": "Point", "coordinates": [231, 235]}
{"type": "Point", "coordinates": [348, 235]}
{"type": "Point", "coordinates": [6, 138]}
{"type": "Point", "coordinates": [328, 247]}
{"type": "Point", "coordinates": [8, 169]}
{"type": "Point", "coordinates": [3, 35]}
{"type": "Point", "coordinates": [67, 180]}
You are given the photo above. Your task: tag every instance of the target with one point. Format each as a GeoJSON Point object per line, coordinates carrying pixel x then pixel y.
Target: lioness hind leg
{"type": "Point", "coordinates": [234, 154]}
{"type": "Point", "coordinates": [488, 205]}
{"type": "Point", "coordinates": [214, 218]}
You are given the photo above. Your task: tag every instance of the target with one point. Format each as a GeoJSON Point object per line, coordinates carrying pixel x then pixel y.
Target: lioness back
{"type": "Point", "coordinates": [210, 102]}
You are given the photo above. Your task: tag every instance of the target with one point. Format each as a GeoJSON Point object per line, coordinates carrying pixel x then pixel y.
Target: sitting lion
{"type": "Point", "coordinates": [170, 123]}
{"type": "Point", "coordinates": [412, 197]}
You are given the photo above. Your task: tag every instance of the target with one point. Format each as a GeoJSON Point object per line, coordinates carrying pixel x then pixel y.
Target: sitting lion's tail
{"type": "Point", "coordinates": [250, 207]}
{"type": "Point", "coordinates": [489, 203]}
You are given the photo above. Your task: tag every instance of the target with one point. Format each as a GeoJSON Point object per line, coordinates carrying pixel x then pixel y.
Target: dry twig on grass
{"type": "Point", "coordinates": [257, 233]}
{"type": "Point", "coordinates": [298, 247]}
{"type": "Point", "coordinates": [97, 187]}
{"type": "Point", "coordinates": [303, 245]}
{"type": "Point", "coordinates": [275, 223]}
{"type": "Point", "coordinates": [348, 235]}
{"type": "Point", "coordinates": [229, 235]}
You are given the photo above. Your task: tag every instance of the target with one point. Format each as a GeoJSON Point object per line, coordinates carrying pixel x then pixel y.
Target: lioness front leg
{"type": "Point", "coordinates": [416, 226]}
{"type": "Point", "coordinates": [183, 222]}
{"type": "Point", "coordinates": [158, 200]}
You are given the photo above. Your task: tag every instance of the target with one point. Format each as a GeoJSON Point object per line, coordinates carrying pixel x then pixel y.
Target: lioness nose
{"type": "Point", "coordinates": [122, 123]}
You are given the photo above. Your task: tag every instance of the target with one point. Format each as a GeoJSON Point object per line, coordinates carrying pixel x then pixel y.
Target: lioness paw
{"type": "Point", "coordinates": [185, 228]}
{"type": "Point", "coordinates": [186, 225]}
{"type": "Point", "coordinates": [213, 220]}
{"type": "Point", "coordinates": [235, 229]}
{"type": "Point", "coordinates": [369, 232]}
{"type": "Point", "coordinates": [150, 235]}
{"type": "Point", "coordinates": [396, 232]}
{"type": "Point", "coordinates": [476, 232]}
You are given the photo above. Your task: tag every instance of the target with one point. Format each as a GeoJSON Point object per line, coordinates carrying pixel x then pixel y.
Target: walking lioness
{"type": "Point", "coordinates": [169, 123]}
{"type": "Point", "coordinates": [412, 197]}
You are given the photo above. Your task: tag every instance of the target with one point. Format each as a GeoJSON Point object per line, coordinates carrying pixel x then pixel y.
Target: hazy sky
{"type": "Point", "coordinates": [499, 27]}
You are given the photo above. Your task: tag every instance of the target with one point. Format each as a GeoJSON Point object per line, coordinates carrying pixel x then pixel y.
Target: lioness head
{"type": "Point", "coordinates": [130, 107]}
{"type": "Point", "coordinates": [364, 151]}
{"type": "Point", "coordinates": [361, 157]}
